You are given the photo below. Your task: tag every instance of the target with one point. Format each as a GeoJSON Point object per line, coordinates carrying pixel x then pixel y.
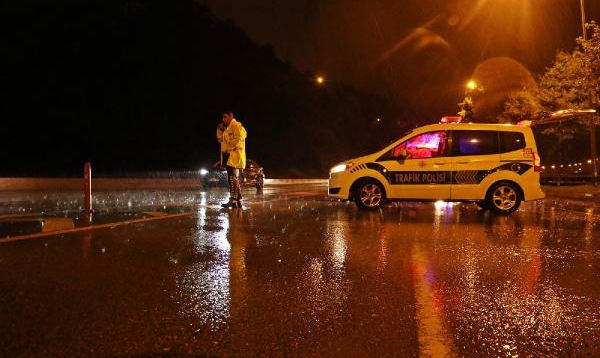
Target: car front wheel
{"type": "Point", "coordinates": [369, 195]}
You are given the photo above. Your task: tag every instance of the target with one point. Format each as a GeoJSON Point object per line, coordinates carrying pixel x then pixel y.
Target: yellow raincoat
{"type": "Point", "coordinates": [233, 141]}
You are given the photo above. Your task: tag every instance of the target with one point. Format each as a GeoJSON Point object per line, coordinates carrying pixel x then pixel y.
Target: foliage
{"type": "Point", "coordinates": [571, 82]}
{"type": "Point", "coordinates": [466, 109]}
{"type": "Point", "coordinates": [522, 105]}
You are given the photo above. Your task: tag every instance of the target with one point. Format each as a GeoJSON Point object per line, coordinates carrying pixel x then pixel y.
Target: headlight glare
{"type": "Point", "coordinates": [341, 167]}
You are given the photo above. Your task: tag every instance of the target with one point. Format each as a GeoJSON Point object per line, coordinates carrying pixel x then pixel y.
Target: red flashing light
{"type": "Point", "coordinates": [451, 119]}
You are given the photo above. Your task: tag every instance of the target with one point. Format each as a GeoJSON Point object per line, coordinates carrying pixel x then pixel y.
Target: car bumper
{"type": "Point", "coordinates": [338, 187]}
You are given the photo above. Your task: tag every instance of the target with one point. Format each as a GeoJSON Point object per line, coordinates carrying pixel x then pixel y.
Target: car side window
{"type": "Point", "coordinates": [511, 141]}
{"type": "Point", "coordinates": [475, 142]}
{"type": "Point", "coordinates": [426, 145]}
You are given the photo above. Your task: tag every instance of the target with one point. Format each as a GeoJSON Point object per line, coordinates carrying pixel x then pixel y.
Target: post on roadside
{"type": "Point", "coordinates": [594, 152]}
{"type": "Point", "coordinates": [87, 203]}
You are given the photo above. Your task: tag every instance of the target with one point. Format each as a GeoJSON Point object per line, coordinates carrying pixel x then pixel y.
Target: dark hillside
{"type": "Point", "coordinates": [139, 86]}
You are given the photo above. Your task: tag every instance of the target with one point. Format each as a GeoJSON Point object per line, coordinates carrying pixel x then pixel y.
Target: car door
{"type": "Point", "coordinates": [418, 168]}
{"type": "Point", "coordinates": [475, 155]}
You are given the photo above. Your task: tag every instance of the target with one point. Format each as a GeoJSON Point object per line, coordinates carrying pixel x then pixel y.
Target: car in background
{"type": "Point", "coordinates": [216, 175]}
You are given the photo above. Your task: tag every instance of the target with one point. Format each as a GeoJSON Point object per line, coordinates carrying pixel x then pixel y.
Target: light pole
{"type": "Point", "coordinates": [582, 4]}
{"type": "Point", "coordinates": [593, 116]}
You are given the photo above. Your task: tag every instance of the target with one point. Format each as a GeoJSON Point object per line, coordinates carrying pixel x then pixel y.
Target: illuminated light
{"type": "Point", "coordinates": [474, 140]}
{"type": "Point", "coordinates": [553, 166]}
{"type": "Point", "coordinates": [320, 80]}
{"type": "Point", "coordinates": [589, 161]}
{"type": "Point", "coordinates": [203, 171]}
{"type": "Point", "coordinates": [471, 85]}
{"type": "Point", "coordinates": [536, 162]}
{"type": "Point", "coordinates": [451, 119]}
{"type": "Point", "coordinates": [440, 204]}
{"type": "Point", "coordinates": [341, 167]}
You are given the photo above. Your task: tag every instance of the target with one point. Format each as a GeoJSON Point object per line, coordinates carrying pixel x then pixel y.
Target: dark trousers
{"type": "Point", "coordinates": [235, 190]}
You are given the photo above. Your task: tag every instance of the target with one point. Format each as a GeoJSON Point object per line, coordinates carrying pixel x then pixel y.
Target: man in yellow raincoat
{"type": "Point", "coordinates": [232, 137]}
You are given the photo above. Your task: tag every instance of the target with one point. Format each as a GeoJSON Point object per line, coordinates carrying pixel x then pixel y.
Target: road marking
{"type": "Point", "coordinates": [88, 228]}
{"type": "Point", "coordinates": [156, 213]}
{"type": "Point", "coordinates": [434, 338]}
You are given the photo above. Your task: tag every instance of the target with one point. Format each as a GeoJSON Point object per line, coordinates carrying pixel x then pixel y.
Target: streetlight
{"type": "Point", "coordinates": [592, 121]}
{"type": "Point", "coordinates": [471, 85]}
{"type": "Point", "coordinates": [582, 4]}
{"type": "Point", "coordinates": [320, 80]}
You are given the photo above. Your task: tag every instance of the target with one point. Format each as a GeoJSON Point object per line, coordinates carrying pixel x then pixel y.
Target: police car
{"type": "Point", "coordinates": [496, 166]}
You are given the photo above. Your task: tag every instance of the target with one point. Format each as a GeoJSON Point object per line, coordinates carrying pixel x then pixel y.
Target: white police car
{"type": "Point", "coordinates": [495, 165]}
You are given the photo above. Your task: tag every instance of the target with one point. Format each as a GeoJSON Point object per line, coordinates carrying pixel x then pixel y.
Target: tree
{"type": "Point", "coordinates": [571, 82]}
{"type": "Point", "coordinates": [466, 106]}
{"type": "Point", "coordinates": [466, 109]}
{"type": "Point", "coordinates": [520, 105]}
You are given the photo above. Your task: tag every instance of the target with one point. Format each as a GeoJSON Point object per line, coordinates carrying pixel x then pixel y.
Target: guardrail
{"type": "Point", "coordinates": [10, 184]}
{"type": "Point", "coordinates": [565, 179]}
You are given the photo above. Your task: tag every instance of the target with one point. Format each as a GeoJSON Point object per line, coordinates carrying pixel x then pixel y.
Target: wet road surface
{"type": "Point", "coordinates": [296, 274]}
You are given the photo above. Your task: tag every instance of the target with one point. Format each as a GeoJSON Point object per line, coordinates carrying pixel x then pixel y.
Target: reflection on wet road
{"type": "Point", "coordinates": [296, 274]}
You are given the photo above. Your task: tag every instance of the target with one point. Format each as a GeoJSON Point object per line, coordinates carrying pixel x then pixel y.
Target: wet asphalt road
{"type": "Point", "coordinates": [295, 274]}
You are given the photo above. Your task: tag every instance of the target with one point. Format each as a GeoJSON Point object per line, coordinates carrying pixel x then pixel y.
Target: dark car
{"type": "Point", "coordinates": [216, 175]}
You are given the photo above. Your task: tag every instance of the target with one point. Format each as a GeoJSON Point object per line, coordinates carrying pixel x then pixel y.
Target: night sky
{"type": "Point", "coordinates": [424, 48]}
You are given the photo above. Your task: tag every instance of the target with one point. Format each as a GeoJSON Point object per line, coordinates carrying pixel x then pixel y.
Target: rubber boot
{"type": "Point", "coordinates": [234, 191]}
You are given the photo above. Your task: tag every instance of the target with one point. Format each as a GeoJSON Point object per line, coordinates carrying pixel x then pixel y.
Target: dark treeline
{"type": "Point", "coordinates": [139, 85]}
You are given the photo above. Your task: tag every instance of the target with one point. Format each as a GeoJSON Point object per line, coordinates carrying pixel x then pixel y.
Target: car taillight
{"type": "Point", "coordinates": [537, 167]}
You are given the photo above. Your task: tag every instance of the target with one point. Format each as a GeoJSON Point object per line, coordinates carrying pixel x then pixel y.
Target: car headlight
{"type": "Point", "coordinates": [341, 167]}
{"type": "Point", "coordinates": [203, 171]}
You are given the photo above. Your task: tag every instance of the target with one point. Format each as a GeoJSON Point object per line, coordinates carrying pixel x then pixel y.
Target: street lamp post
{"type": "Point", "coordinates": [593, 116]}
{"type": "Point", "coordinates": [582, 4]}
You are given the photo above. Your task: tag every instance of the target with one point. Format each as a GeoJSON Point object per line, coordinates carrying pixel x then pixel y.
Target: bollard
{"type": "Point", "coordinates": [87, 176]}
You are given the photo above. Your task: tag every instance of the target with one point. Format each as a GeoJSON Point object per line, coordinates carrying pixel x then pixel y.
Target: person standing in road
{"type": "Point", "coordinates": [232, 137]}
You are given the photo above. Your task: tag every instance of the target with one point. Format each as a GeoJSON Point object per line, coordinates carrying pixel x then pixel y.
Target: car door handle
{"type": "Point", "coordinates": [467, 162]}
{"type": "Point", "coordinates": [441, 163]}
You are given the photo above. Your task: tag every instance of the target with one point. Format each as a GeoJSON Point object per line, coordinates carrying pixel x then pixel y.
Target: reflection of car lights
{"type": "Point", "coordinates": [440, 204]}
{"type": "Point", "coordinates": [203, 171]}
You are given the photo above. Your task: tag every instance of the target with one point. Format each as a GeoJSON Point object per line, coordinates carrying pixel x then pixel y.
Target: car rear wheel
{"type": "Point", "coordinates": [503, 198]}
{"type": "Point", "coordinates": [260, 181]}
{"type": "Point", "coordinates": [369, 195]}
